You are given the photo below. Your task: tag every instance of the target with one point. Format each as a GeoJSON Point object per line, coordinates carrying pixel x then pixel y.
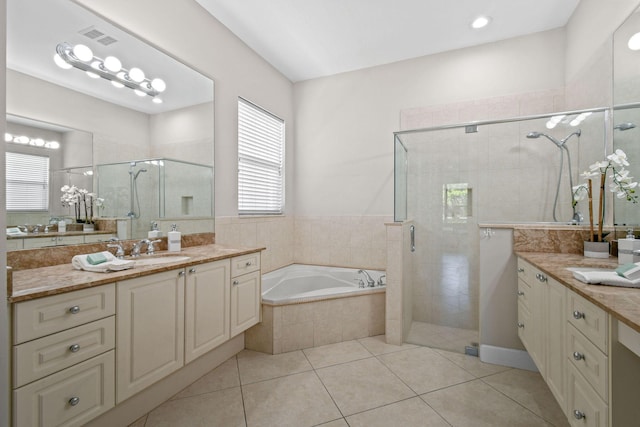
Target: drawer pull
{"type": "Point", "coordinates": [520, 325]}
{"type": "Point", "coordinates": [520, 293]}
{"type": "Point", "coordinates": [541, 277]}
{"type": "Point", "coordinates": [192, 270]}
{"type": "Point", "coordinates": [248, 264]}
{"type": "Point", "coordinates": [236, 282]}
{"type": "Point", "coordinates": [75, 309]}
{"type": "Point", "coordinates": [181, 274]}
{"type": "Point", "coordinates": [74, 401]}
{"type": "Point", "coordinates": [578, 356]}
{"type": "Point", "coordinates": [520, 270]}
{"type": "Point", "coordinates": [74, 348]}
{"type": "Point", "coordinates": [578, 315]}
{"type": "Point", "coordinates": [579, 415]}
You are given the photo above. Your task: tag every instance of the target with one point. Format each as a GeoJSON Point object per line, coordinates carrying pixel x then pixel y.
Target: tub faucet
{"type": "Point", "coordinates": [370, 282]}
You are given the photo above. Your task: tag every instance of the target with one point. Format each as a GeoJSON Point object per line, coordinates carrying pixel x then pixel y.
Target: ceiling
{"type": "Point", "coordinates": [306, 39]}
{"type": "Point", "coordinates": [35, 27]}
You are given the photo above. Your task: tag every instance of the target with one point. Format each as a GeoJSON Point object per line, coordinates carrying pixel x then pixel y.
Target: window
{"type": "Point", "coordinates": [260, 161]}
{"type": "Point", "coordinates": [27, 182]}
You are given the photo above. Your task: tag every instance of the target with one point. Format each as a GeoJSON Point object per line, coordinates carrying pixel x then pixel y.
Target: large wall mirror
{"type": "Point", "coordinates": [150, 161]}
{"type": "Point", "coordinates": [626, 114]}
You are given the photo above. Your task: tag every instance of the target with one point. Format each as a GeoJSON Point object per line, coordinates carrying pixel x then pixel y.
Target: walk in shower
{"type": "Point", "coordinates": [450, 180]}
{"type": "Point", "coordinates": [153, 190]}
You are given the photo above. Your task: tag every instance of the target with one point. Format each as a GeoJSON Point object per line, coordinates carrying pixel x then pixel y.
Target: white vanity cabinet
{"type": "Point", "coordinates": [41, 242]}
{"type": "Point", "coordinates": [150, 330]}
{"type": "Point", "coordinates": [246, 292]}
{"type": "Point", "coordinates": [207, 304]}
{"type": "Point", "coordinates": [63, 358]}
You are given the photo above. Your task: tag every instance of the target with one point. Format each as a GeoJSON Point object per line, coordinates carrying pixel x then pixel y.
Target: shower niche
{"type": "Point", "coordinates": [161, 191]}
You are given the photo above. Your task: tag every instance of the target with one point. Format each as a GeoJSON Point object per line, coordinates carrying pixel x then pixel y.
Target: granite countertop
{"type": "Point", "coordinates": [622, 303]}
{"type": "Point", "coordinates": [44, 281]}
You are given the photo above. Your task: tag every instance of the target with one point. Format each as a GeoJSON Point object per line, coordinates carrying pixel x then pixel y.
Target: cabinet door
{"type": "Point", "coordinates": [149, 330]}
{"type": "Point", "coordinates": [537, 324]}
{"type": "Point", "coordinates": [556, 361]}
{"type": "Point", "coordinates": [206, 308]}
{"type": "Point", "coordinates": [246, 298]}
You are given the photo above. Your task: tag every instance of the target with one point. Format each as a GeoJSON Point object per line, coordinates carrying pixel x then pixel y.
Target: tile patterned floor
{"type": "Point", "coordinates": [364, 382]}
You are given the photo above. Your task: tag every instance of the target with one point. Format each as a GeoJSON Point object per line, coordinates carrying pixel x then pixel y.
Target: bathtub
{"type": "Point", "coordinates": [298, 283]}
{"type": "Point", "coordinates": [307, 306]}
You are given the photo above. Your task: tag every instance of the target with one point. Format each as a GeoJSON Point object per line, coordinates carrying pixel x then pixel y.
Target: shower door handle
{"type": "Point", "coordinates": [412, 233]}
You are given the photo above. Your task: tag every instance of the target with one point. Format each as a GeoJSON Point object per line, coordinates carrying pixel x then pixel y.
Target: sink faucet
{"type": "Point", "coordinates": [135, 251]}
{"type": "Point", "coordinates": [370, 282]}
{"type": "Point", "coordinates": [118, 246]}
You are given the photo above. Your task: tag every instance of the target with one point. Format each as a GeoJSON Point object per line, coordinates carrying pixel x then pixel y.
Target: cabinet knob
{"type": "Point", "coordinates": [579, 415]}
{"type": "Point", "coordinates": [236, 282]}
{"type": "Point", "coordinates": [541, 277]}
{"type": "Point", "coordinates": [74, 310]}
{"type": "Point", "coordinates": [74, 401]}
{"type": "Point", "coordinates": [181, 273]}
{"type": "Point", "coordinates": [192, 270]}
{"type": "Point", "coordinates": [520, 293]}
{"type": "Point", "coordinates": [520, 270]}
{"type": "Point", "coordinates": [74, 348]}
{"type": "Point", "coordinates": [248, 263]}
{"type": "Point", "coordinates": [578, 356]}
{"type": "Point", "coordinates": [578, 315]}
{"type": "Point", "coordinates": [520, 325]}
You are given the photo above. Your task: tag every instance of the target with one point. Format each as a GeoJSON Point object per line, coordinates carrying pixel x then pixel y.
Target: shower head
{"type": "Point", "coordinates": [624, 126]}
{"type": "Point", "coordinates": [559, 144]}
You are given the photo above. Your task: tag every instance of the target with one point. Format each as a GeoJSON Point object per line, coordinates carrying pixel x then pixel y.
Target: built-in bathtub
{"type": "Point", "coordinates": [307, 306]}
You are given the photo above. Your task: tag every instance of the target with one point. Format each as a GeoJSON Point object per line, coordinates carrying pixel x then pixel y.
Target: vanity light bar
{"type": "Point", "coordinates": [110, 68]}
{"type": "Point", "coordinates": [34, 142]}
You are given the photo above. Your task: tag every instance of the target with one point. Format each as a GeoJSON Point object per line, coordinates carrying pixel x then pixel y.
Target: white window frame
{"type": "Point", "coordinates": [27, 182]}
{"type": "Point", "coordinates": [261, 147]}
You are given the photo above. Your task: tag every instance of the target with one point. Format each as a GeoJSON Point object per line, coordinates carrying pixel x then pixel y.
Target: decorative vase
{"type": "Point", "coordinates": [87, 227]}
{"type": "Point", "coordinates": [596, 249]}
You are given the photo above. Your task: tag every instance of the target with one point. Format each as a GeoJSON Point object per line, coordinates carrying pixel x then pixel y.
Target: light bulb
{"type": "Point", "coordinates": [117, 84]}
{"type": "Point", "coordinates": [82, 52]}
{"type": "Point", "coordinates": [92, 75]}
{"type": "Point", "coordinates": [8, 137]}
{"type": "Point", "coordinates": [61, 62]}
{"type": "Point", "coordinates": [634, 42]}
{"type": "Point", "coordinates": [159, 85]}
{"type": "Point", "coordinates": [38, 142]}
{"type": "Point", "coordinates": [480, 22]}
{"type": "Point", "coordinates": [139, 92]}
{"type": "Point", "coordinates": [136, 74]}
{"type": "Point", "coordinates": [112, 64]}
{"type": "Point", "coordinates": [54, 145]}
{"type": "Point", "coordinates": [22, 139]}
{"type": "Point", "coordinates": [157, 100]}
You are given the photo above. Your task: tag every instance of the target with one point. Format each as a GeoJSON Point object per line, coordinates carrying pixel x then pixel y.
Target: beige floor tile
{"type": "Point", "coordinates": [378, 345]}
{"type": "Point", "coordinates": [476, 404]}
{"type": "Point", "coordinates": [221, 408]}
{"type": "Point", "coordinates": [363, 384]}
{"type": "Point", "coordinates": [295, 400]}
{"type": "Point", "coordinates": [139, 422]}
{"type": "Point", "coordinates": [224, 376]}
{"type": "Point", "coordinates": [530, 390]}
{"type": "Point", "coordinates": [260, 367]}
{"type": "Point", "coordinates": [407, 413]}
{"type": "Point", "coordinates": [332, 354]}
{"type": "Point", "coordinates": [472, 364]}
{"type": "Point", "coordinates": [424, 370]}
{"type": "Point", "coordinates": [337, 423]}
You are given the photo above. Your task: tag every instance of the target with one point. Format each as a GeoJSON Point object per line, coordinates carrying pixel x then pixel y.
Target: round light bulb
{"type": "Point", "coordinates": [117, 84]}
{"type": "Point", "coordinates": [22, 139]}
{"type": "Point", "coordinates": [157, 100]}
{"type": "Point", "coordinates": [82, 52]}
{"type": "Point", "coordinates": [92, 75]}
{"type": "Point", "coordinates": [54, 145]}
{"type": "Point", "coordinates": [112, 64]}
{"type": "Point", "coordinates": [480, 22]}
{"type": "Point", "coordinates": [61, 62]}
{"type": "Point", "coordinates": [38, 142]}
{"type": "Point", "coordinates": [139, 92]}
{"type": "Point", "coordinates": [159, 85]}
{"type": "Point", "coordinates": [8, 137]}
{"type": "Point", "coordinates": [136, 74]}
{"type": "Point", "coordinates": [634, 42]}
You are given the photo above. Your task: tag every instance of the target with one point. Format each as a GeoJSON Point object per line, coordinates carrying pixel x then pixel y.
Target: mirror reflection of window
{"type": "Point", "coordinates": [456, 202]}
{"type": "Point", "coordinates": [27, 182]}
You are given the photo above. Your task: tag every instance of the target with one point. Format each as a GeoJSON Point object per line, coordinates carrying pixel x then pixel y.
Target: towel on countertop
{"type": "Point", "coordinates": [110, 263]}
{"type": "Point", "coordinates": [605, 278]}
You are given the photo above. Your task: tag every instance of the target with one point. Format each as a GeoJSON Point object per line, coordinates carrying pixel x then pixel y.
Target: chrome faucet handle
{"type": "Point", "coordinates": [150, 248]}
{"type": "Point", "coordinates": [380, 282]}
{"type": "Point", "coordinates": [360, 282]}
{"type": "Point", "coordinates": [119, 250]}
{"type": "Point", "coordinates": [135, 250]}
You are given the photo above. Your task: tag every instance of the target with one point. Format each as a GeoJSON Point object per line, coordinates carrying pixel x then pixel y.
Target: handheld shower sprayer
{"type": "Point", "coordinates": [558, 143]}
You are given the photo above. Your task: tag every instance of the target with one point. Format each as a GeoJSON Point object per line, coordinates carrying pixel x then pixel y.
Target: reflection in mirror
{"type": "Point", "coordinates": [626, 114]}
{"type": "Point", "coordinates": [125, 126]}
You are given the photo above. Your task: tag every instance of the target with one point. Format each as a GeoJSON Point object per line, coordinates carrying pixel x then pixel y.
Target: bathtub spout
{"type": "Point", "coordinates": [370, 282]}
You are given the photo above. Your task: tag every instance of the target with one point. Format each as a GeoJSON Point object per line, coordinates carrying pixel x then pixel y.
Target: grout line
{"type": "Point", "coordinates": [325, 387]}
{"type": "Point", "coordinates": [244, 409]}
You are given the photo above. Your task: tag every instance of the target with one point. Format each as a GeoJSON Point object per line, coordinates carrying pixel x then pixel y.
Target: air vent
{"type": "Point", "coordinates": [100, 37]}
{"type": "Point", "coordinates": [107, 40]}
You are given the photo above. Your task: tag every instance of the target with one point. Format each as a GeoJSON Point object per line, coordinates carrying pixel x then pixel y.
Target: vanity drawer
{"type": "Point", "coordinates": [71, 397]}
{"type": "Point", "coordinates": [38, 358]}
{"type": "Point", "coordinates": [526, 271]}
{"type": "Point", "coordinates": [524, 294]}
{"type": "Point", "coordinates": [589, 361]}
{"type": "Point", "coordinates": [44, 316]}
{"type": "Point", "coordinates": [245, 264]}
{"type": "Point", "coordinates": [590, 320]}
{"type": "Point", "coordinates": [584, 407]}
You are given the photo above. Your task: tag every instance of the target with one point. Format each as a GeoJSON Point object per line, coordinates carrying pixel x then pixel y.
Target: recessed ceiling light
{"type": "Point", "coordinates": [634, 42]}
{"type": "Point", "coordinates": [480, 22]}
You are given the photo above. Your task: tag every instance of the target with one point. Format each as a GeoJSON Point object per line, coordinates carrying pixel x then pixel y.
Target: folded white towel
{"type": "Point", "coordinates": [79, 262]}
{"type": "Point", "coordinates": [610, 278]}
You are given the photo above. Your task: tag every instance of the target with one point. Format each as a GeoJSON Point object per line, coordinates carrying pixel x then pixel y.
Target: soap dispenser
{"type": "Point", "coordinates": [628, 249]}
{"type": "Point", "coordinates": [174, 238]}
{"type": "Point", "coordinates": [154, 233]}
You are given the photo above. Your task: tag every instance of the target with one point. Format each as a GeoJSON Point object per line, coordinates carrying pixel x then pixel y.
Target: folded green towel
{"type": "Point", "coordinates": [629, 271]}
{"type": "Point", "coordinates": [97, 258]}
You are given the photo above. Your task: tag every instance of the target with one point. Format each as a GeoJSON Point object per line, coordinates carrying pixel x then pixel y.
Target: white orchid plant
{"type": "Point", "coordinates": [81, 199]}
{"type": "Point", "coordinates": [621, 183]}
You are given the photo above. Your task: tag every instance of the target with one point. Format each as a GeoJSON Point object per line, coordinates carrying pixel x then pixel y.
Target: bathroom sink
{"type": "Point", "coordinates": [144, 261]}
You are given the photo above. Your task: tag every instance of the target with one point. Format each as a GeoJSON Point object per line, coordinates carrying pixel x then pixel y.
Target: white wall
{"type": "Point", "coordinates": [345, 123]}
{"type": "Point", "coordinates": [187, 32]}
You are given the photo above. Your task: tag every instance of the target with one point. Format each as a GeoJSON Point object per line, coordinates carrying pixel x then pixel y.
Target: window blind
{"type": "Point", "coordinates": [27, 182]}
{"type": "Point", "coordinates": [260, 161]}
